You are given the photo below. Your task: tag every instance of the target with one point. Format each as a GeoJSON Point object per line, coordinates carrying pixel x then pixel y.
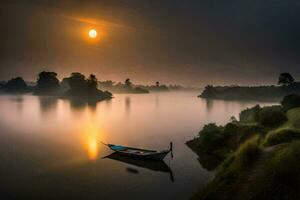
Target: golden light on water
{"type": "Point", "coordinates": [92, 149]}
{"type": "Point", "coordinates": [91, 133]}
{"type": "Point", "coordinates": [92, 33]}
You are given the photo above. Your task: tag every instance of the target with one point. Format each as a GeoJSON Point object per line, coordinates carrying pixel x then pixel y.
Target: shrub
{"type": "Point", "coordinates": [250, 115]}
{"type": "Point", "coordinates": [282, 136]}
{"type": "Point", "coordinates": [290, 101]}
{"type": "Point", "coordinates": [272, 116]}
{"type": "Point", "coordinates": [210, 137]}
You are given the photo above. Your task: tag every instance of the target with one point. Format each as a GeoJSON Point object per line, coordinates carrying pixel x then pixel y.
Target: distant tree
{"type": "Point", "coordinates": [128, 83]}
{"type": "Point", "coordinates": [285, 79]}
{"type": "Point", "coordinates": [157, 83]}
{"type": "Point", "coordinates": [16, 85]}
{"type": "Point", "coordinates": [107, 83]}
{"type": "Point", "coordinates": [77, 81]}
{"type": "Point", "coordinates": [47, 82]}
{"type": "Point", "coordinates": [2, 84]}
{"type": "Point", "coordinates": [92, 82]}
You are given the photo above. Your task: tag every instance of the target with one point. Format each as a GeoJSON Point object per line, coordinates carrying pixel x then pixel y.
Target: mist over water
{"type": "Point", "coordinates": [51, 148]}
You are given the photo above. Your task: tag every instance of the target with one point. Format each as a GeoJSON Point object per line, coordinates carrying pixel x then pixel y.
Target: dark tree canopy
{"type": "Point", "coordinates": [47, 82]}
{"type": "Point", "coordinates": [157, 84]}
{"type": "Point", "coordinates": [107, 83]}
{"type": "Point", "coordinates": [16, 85]}
{"type": "Point", "coordinates": [92, 82]}
{"type": "Point", "coordinates": [128, 83]}
{"type": "Point", "coordinates": [77, 81]}
{"type": "Point", "coordinates": [285, 79]}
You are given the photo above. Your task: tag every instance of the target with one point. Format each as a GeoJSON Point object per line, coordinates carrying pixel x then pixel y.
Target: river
{"type": "Point", "coordinates": [51, 148]}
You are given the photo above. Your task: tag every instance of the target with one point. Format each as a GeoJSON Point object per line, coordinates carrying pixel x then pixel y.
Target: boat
{"type": "Point", "coordinates": [140, 153]}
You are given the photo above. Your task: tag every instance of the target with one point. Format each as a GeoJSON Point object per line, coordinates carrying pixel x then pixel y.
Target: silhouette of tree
{"type": "Point", "coordinates": [16, 85]}
{"type": "Point", "coordinates": [107, 83]}
{"type": "Point", "coordinates": [77, 81]}
{"type": "Point", "coordinates": [157, 83]}
{"type": "Point", "coordinates": [47, 82]}
{"type": "Point", "coordinates": [285, 79]}
{"type": "Point", "coordinates": [92, 82]}
{"type": "Point", "coordinates": [128, 83]}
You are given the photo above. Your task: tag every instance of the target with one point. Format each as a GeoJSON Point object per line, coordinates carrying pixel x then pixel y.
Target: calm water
{"type": "Point", "coordinates": [51, 148]}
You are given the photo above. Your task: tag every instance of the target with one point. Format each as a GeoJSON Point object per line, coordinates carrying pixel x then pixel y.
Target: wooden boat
{"type": "Point", "coordinates": [140, 153]}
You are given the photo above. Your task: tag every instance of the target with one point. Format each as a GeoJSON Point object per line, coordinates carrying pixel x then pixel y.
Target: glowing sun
{"type": "Point", "coordinates": [92, 33]}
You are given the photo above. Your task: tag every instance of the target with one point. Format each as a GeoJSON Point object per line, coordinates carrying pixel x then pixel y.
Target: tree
{"type": "Point", "coordinates": [16, 85]}
{"type": "Point", "coordinates": [77, 81]}
{"type": "Point", "coordinates": [107, 83]}
{"type": "Point", "coordinates": [285, 79]}
{"type": "Point", "coordinates": [47, 82]}
{"type": "Point", "coordinates": [128, 83]}
{"type": "Point", "coordinates": [92, 82]}
{"type": "Point", "coordinates": [157, 84]}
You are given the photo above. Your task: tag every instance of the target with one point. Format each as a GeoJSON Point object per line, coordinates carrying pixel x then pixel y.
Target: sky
{"type": "Point", "coordinates": [189, 42]}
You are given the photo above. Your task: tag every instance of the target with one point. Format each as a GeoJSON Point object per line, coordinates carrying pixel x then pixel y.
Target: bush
{"type": "Point", "coordinates": [272, 116]}
{"type": "Point", "coordinates": [250, 115]}
{"type": "Point", "coordinates": [210, 137]}
{"type": "Point", "coordinates": [290, 101]}
{"type": "Point", "coordinates": [282, 136]}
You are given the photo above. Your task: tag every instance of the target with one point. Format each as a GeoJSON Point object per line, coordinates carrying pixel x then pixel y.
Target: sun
{"type": "Point", "coordinates": [92, 33]}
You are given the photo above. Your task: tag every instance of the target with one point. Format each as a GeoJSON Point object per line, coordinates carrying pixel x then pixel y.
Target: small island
{"type": "Point", "coordinates": [75, 87]}
{"type": "Point", "coordinates": [255, 157]}
{"type": "Point", "coordinates": [286, 85]}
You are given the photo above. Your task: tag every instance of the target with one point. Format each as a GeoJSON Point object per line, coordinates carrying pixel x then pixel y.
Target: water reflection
{"type": "Point", "coordinates": [209, 104]}
{"type": "Point", "coordinates": [78, 104]}
{"type": "Point", "coordinates": [90, 132]}
{"type": "Point", "coordinates": [127, 104]}
{"type": "Point", "coordinates": [47, 104]}
{"type": "Point", "coordinates": [154, 165]}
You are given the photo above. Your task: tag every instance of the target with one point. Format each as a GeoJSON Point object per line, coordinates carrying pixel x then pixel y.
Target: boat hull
{"type": "Point", "coordinates": [154, 156]}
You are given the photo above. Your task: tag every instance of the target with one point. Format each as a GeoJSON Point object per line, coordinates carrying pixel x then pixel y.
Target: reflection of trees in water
{"type": "Point", "coordinates": [47, 104]}
{"type": "Point", "coordinates": [157, 101]}
{"type": "Point", "coordinates": [127, 104]}
{"type": "Point", "coordinates": [78, 104]}
{"type": "Point", "coordinates": [19, 102]}
{"type": "Point", "coordinates": [209, 105]}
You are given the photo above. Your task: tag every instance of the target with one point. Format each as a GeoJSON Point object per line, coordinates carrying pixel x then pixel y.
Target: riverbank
{"type": "Point", "coordinates": [258, 154]}
{"type": "Point", "coordinates": [258, 93]}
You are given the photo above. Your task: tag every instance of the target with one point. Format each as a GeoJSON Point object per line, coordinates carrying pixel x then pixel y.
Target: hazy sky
{"type": "Point", "coordinates": [192, 42]}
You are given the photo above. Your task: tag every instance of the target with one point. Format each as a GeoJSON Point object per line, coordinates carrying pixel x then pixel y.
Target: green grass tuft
{"type": "Point", "coordinates": [282, 136]}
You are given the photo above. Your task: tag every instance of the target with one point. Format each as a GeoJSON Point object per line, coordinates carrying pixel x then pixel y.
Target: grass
{"type": "Point", "coordinates": [228, 180]}
{"type": "Point", "coordinates": [287, 132]}
{"type": "Point", "coordinates": [293, 121]}
{"type": "Point", "coordinates": [279, 178]}
{"type": "Point", "coordinates": [282, 136]}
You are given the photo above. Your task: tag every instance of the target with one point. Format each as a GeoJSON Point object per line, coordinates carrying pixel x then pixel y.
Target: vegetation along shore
{"type": "Point", "coordinates": [286, 85]}
{"type": "Point", "coordinates": [255, 157]}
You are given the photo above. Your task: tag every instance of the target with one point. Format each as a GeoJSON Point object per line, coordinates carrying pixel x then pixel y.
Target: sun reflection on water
{"type": "Point", "coordinates": [91, 132]}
